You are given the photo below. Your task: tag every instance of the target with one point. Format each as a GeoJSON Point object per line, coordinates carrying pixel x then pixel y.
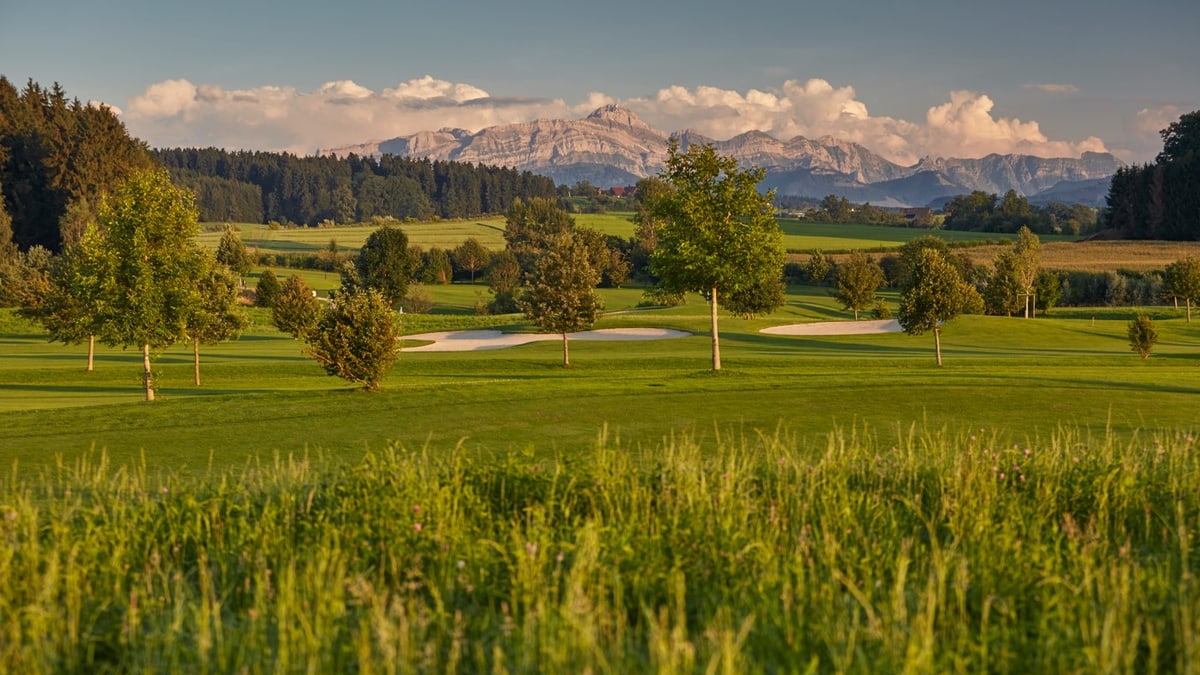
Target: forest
{"type": "Point", "coordinates": [58, 155]}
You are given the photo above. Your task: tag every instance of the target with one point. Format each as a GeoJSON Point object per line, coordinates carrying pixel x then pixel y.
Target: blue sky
{"type": "Point", "coordinates": [904, 79]}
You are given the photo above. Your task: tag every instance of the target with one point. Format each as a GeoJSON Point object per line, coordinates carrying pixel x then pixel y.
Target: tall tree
{"type": "Point", "coordinates": [718, 232]}
{"type": "Point", "coordinates": [151, 260]}
{"type": "Point", "coordinates": [386, 264]}
{"type": "Point", "coordinates": [1182, 280]}
{"type": "Point", "coordinates": [561, 297]}
{"type": "Point", "coordinates": [1027, 253]}
{"type": "Point", "coordinates": [215, 317]}
{"type": "Point", "coordinates": [935, 294]}
{"type": "Point", "coordinates": [857, 280]}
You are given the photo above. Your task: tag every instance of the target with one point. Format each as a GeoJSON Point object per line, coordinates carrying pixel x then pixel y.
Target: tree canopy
{"type": "Point", "coordinates": [386, 264]}
{"type": "Point", "coordinates": [934, 295]}
{"type": "Point", "coordinates": [857, 280]}
{"type": "Point", "coordinates": [57, 158]}
{"type": "Point", "coordinates": [149, 265]}
{"type": "Point", "coordinates": [718, 233]}
{"type": "Point", "coordinates": [355, 338]}
{"type": "Point", "coordinates": [1161, 200]}
{"type": "Point", "coordinates": [561, 297]}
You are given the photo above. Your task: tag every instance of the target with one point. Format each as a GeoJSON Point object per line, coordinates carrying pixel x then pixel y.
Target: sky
{"type": "Point", "coordinates": [953, 78]}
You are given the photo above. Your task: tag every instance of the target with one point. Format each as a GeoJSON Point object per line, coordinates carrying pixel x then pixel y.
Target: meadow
{"type": "Point", "coordinates": [823, 504]}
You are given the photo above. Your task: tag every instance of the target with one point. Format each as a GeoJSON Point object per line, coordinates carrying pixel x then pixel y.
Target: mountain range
{"type": "Point", "coordinates": [613, 147]}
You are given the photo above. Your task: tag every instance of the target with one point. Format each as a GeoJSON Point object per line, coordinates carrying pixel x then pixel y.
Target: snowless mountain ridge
{"type": "Point", "coordinates": [613, 147]}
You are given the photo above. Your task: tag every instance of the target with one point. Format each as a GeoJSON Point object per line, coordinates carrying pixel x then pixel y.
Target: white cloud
{"type": "Point", "coordinates": [179, 113]}
{"type": "Point", "coordinates": [1148, 122]}
{"type": "Point", "coordinates": [1054, 88]}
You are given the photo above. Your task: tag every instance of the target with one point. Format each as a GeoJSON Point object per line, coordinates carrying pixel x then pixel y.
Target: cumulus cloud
{"type": "Point", "coordinates": [1054, 88]}
{"type": "Point", "coordinates": [1148, 122]}
{"type": "Point", "coordinates": [339, 113]}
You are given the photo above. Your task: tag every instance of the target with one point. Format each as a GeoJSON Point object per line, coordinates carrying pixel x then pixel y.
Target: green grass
{"type": "Point", "coordinates": [447, 234]}
{"type": "Point", "coordinates": [1068, 552]}
{"type": "Point", "coordinates": [261, 395]}
{"type": "Point", "coordinates": [805, 236]}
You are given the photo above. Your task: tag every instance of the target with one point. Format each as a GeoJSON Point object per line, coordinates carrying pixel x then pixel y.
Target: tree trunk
{"type": "Point", "coordinates": [1026, 305]}
{"type": "Point", "coordinates": [146, 372]}
{"type": "Point", "coordinates": [856, 314]}
{"type": "Point", "coordinates": [566, 353]}
{"type": "Point", "coordinates": [91, 353]}
{"type": "Point", "coordinates": [196, 358]}
{"type": "Point", "coordinates": [716, 340]}
{"type": "Point", "coordinates": [937, 345]}
{"type": "Point", "coordinates": [1189, 309]}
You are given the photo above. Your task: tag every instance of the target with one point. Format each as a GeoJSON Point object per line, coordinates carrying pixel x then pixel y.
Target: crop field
{"type": "Point", "coordinates": [823, 504]}
{"type": "Point", "coordinates": [1099, 256]}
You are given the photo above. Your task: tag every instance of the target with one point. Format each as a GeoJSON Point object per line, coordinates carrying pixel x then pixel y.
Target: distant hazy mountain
{"type": "Point", "coordinates": [613, 147]}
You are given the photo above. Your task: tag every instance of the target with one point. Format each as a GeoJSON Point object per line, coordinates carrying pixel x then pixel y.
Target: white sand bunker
{"type": "Point", "coordinates": [478, 340]}
{"type": "Point", "coordinates": [837, 328]}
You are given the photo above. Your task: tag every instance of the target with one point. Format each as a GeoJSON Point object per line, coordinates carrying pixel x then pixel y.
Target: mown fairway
{"type": "Point", "coordinates": [260, 395]}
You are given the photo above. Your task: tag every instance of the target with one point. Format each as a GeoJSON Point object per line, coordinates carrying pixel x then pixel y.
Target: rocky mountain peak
{"type": "Point", "coordinates": [614, 114]}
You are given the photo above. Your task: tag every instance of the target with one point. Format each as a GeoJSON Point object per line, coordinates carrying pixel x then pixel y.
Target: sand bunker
{"type": "Point", "coordinates": [478, 340]}
{"type": "Point", "coordinates": [837, 328]}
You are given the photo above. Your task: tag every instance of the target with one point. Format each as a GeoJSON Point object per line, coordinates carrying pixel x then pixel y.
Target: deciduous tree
{"type": "Point", "coordinates": [471, 256]}
{"type": "Point", "coordinates": [386, 264]}
{"type": "Point", "coordinates": [151, 264]}
{"type": "Point", "coordinates": [857, 280]}
{"type": "Point", "coordinates": [935, 294]}
{"type": "Point", "coordinates": [718, 232]}
{"type": "Point", "coordinates": [215, 317]}
{"type": "Point", "coordinates": [69, 303]}
{"type": "Point", "coordinates": [561, 297]}
{"type": "Point", "coordinates": [356, 338]}
{"type": "Point", "coordinates": [1182, 280]}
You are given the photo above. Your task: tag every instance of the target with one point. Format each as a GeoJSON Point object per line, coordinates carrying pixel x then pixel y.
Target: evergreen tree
{"type": "Point", "coordinates": [296, 308]}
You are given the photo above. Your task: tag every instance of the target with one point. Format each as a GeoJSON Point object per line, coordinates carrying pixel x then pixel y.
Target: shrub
{"type": "Point", "coordinates": [1142, 335]}
{"type": "Point", "coordinates": [355, 338]}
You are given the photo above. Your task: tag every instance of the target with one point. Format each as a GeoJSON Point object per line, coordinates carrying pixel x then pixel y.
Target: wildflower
{"type": "Point", "coordinates": [531, 548]}
{"type": "Point", "coordinates": [559, 557]}
{"type": "Point", "coordinates": [460, 564]}
{"type": "Point", "coordinates": [163, 489]}
{"type": "Point", "coordinates": [1001, 476]}
{"type": "Point", "coordinates": [417, 527]}
{"type": "Point", "coordinates": [416, 508]}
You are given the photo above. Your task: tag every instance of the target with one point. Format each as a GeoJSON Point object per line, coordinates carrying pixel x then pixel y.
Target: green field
{"type": "Point", "coordinates": [797, 235]}
{"type": "Point", "coordinates": [1026, 377]}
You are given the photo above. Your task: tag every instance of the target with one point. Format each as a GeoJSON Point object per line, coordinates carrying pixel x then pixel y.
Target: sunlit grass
{"type": "Point", "coordinates": [963, 551]}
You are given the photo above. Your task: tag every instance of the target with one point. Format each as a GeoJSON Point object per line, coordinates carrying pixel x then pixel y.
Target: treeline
{"type": "Point", "coordinates": [987, 212]}
{"type": "Point", "coordinates": [56, 156]}
{"type": "Point", "coordinates": [1161, 200]}
{"type": "Point", "coordinates": [260, 187]}
{"type": "Point", "coordinates": [839, 210]}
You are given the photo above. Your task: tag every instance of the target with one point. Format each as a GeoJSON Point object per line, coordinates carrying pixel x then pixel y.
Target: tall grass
{"type": "Point", "coordinates": [945, 552]}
